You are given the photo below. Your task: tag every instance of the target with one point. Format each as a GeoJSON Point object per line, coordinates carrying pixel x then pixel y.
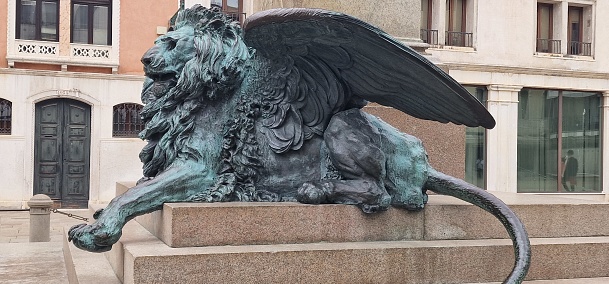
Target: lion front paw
{"type": "Point", "coordinates": [310, 193]}
{"type": "Point", "coordinates": [93, 238]}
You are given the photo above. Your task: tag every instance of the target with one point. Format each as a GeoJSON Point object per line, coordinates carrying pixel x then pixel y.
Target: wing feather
{"type": "Point", "coordinates": [321, 62]}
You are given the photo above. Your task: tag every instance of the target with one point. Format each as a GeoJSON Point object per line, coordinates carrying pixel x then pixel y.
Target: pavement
{"type": "Point", "coordinates": [25, 262]}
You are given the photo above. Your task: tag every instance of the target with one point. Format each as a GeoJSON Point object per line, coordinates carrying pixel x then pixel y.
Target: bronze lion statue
{"type": "Point", "coordinates": [272, 112]}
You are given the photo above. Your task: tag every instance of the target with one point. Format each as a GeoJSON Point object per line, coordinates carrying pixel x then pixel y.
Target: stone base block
{"type": "Point", "coordinates": [444, 218]}
{"type": "Point", "coordinates": [217, 224]}
{"type": "Point", "coordinates": [461, 261]}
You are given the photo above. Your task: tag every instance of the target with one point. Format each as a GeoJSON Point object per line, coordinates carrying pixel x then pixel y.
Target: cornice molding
{"type": "Point", "coordinates": [80, 75]}
{"type": "Point", "coordinates": [526, 71]}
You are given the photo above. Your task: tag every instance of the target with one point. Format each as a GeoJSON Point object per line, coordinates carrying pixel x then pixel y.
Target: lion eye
{"type": "Point", "coordinates": [171, 45]}
{"type": "Point", "coordinates": [170, 42]}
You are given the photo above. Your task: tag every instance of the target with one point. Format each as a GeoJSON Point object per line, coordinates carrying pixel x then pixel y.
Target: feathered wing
{"type": "Point", "coordinates": [322, 62]}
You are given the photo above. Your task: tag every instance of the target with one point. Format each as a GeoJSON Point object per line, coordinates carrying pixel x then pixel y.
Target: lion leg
{"type": "Point", "coordinates": [353, 148]}
{"type": "Point", "coordinates": [177, 183]}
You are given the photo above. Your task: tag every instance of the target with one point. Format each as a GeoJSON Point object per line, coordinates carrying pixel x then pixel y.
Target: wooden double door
{"type": "Point", "coordinates": [62, 152]}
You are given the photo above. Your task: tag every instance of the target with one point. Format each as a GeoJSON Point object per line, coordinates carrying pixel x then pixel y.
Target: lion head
{"type": "Point", "coordinates": [201, 58]}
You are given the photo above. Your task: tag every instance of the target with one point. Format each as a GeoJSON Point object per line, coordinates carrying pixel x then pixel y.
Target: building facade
{"type": "Point", "coordinates": [70, 81]}
{"type": "Point", "coordinates": [542, 68]}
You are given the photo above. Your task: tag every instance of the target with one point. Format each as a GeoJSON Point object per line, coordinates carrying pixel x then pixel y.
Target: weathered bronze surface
{"type": "Point", "coordinates": [271, 112]}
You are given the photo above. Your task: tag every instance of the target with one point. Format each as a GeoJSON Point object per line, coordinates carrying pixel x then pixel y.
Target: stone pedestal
{"type": "Point", "coordinates": [449, 241]}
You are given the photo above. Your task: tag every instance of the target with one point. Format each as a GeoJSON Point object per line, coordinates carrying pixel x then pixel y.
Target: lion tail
{"type": "Point", "coordinates": [446, 185]}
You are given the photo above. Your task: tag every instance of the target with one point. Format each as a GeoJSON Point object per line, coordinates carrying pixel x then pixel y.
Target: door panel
{"type": "Point", "coordinates": [62, 151]}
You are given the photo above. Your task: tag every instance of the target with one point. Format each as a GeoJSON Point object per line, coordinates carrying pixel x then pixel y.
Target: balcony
{"type": "Point", "coordinates": [429, 36]}
{"type": "Point", "coordinates": [579, 48]}
{"type": "Point", "coordinates": [459, 39]}
{"type": "Point", "coordinates": [36, 49]}
{"type": "Point", "coordinates": [548, 45]}
{"type": "Point", "coordinates": [32, 51]}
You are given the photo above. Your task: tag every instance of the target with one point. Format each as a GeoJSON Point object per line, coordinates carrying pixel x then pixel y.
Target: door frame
{"type": "Point", "coordinates": [64, 166]}
{"type": "Point", "coordinates": [30, 113]}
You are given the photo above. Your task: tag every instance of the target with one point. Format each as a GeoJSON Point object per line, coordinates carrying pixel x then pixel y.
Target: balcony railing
{"type": "Point", "coordinates": [32, 48]}
{"type": "Point", "coordinates": [459, 39]}
{"type": "Point", "coordinates": [237, 17]}
{"type": "Point", "coordinates": [579, 48]}
{"type": "Point", "coordinates": [548, 45]}
{"type": "Point", "coordinates": [429, 36]}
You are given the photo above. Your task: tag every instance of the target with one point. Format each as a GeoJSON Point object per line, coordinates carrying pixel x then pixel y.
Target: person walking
{"type": "Point", "coordinates": [569, 171]}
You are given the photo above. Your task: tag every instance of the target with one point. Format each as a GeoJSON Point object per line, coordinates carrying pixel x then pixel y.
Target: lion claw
{"type": "Point", "coordinates": [92, 237]}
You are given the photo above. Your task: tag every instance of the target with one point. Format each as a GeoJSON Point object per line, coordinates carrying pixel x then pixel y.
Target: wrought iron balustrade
{"type": "Point", "coordinates": [548, 45]}
{"type": "Point", "coordinates": [579, 48]}
{"type": "Point", "coordinates": [459, 39]}
{"type": "Point", "coordinates": [429, 36]}
{"type": "Point", "coordinates": [237, 17]}
{"type": "Point", "coordinates": [126, 121]}
{"type": "Point", "coordinates": [5, 117]}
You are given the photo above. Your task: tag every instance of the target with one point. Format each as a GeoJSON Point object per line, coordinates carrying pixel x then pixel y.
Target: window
{"type": "Point", "coordinates": [91, 22]}
{"type": "Point", "coordinates": [545, 26]}
{"type": "Point", "coordinates": [126, 120]}
{"type": "Point", "coordinates": [427, 34]}
{"type": "Point", "coordinates": [559, 141]}
{"type": "Point", "coordinates": [456, 24]}
{"type": "Point", "coordinates": [576, 45]}
{"type": "Point", "coordinates": [37, 20]}
{"type": "Point", "coordinates": [5, 117]}
{"type": "Point", "coordinates": [232, 8]}
{"type": "Point", "coordinates": [475, 145]}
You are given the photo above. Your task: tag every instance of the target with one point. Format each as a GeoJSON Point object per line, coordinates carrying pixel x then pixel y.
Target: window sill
{"type": "Point", "coordinates": [564, 56]}
{"type": "Point", "coordinates": [453, 48]}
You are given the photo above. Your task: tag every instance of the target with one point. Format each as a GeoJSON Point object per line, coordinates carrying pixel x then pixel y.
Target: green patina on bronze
{"type": "Point", "coordinates": [272, 112]}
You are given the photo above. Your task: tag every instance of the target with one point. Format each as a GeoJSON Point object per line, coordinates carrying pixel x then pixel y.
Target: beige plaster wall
{"type": "Point", "coordinates": [139, 21]}
{"type": "Point", "coordinates": [399, 18]}
{"type": "Point", "coordinates": [508, 39]}
{"type": "Point", "coordinates": [3, 33]}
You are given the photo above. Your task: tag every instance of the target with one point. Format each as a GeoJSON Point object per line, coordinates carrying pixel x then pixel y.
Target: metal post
{"type": "Point", "coordinates": [40, 218]}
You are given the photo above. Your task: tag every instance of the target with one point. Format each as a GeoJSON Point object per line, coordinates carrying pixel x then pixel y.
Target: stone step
{"type": "Point", "coordinates": [439, 261]}
{"type": "Point", "coordinates": [84, 267]}
{"type": "Point", "coordinates": [599, 280]}
{"type": "Point", "coordinates": [87, 268]}
{"type": "Point", "coordinates": [444, 218]}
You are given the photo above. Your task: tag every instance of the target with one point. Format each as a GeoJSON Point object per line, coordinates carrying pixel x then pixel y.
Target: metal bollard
{"type": "Point", "coordinates": [40, 218]}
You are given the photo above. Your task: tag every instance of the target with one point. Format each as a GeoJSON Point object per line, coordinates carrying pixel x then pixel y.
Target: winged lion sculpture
{"type": "Point", "coordinates": [272, 112]}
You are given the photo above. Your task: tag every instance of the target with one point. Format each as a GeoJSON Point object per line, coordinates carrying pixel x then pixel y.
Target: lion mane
{"type": "Point", "coordinates": [214, 73]}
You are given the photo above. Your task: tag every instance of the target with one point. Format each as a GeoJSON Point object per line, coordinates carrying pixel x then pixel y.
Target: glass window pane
{"type": "Point", "coordinates": [475, 145]}
{"type": "Point", "coordinates": [577, 166]}
{"type": "Point", "coordinates": [581, 154]}
{"type": "Point", "coordinates": [545, 16]}
{"type": "Point", "coordinates": [80, 24]}
{"type": "Point", "coordinates": [48, 21]}
{"type": "Point", "coordinates": [216, 3]}
{"type": "Point", "coordinates": [537, 141]}
{"type": "Point", "coordinates": [100, 25]}
{"type": "Point", "coordinates": [454, 15]}
{"type": "Point", "coordinates": [424, 14]}
{"type": "Point", "coordinates": [27, 25]}
{"type": "Point", "coordinates": [232, 4]}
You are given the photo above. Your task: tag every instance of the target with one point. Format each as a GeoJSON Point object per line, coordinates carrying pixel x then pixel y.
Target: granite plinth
{"type": "Point", "coordinates": [444, 218]}
{"type": "Point", "coordinates": [217, 224]}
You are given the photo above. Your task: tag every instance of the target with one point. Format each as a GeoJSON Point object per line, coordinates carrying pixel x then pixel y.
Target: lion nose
{"type": "Point", "coordinates": [149, 56]}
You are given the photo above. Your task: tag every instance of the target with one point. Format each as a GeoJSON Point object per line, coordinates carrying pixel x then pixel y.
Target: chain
{"type": "Point", "coordinates": [71, 215]}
